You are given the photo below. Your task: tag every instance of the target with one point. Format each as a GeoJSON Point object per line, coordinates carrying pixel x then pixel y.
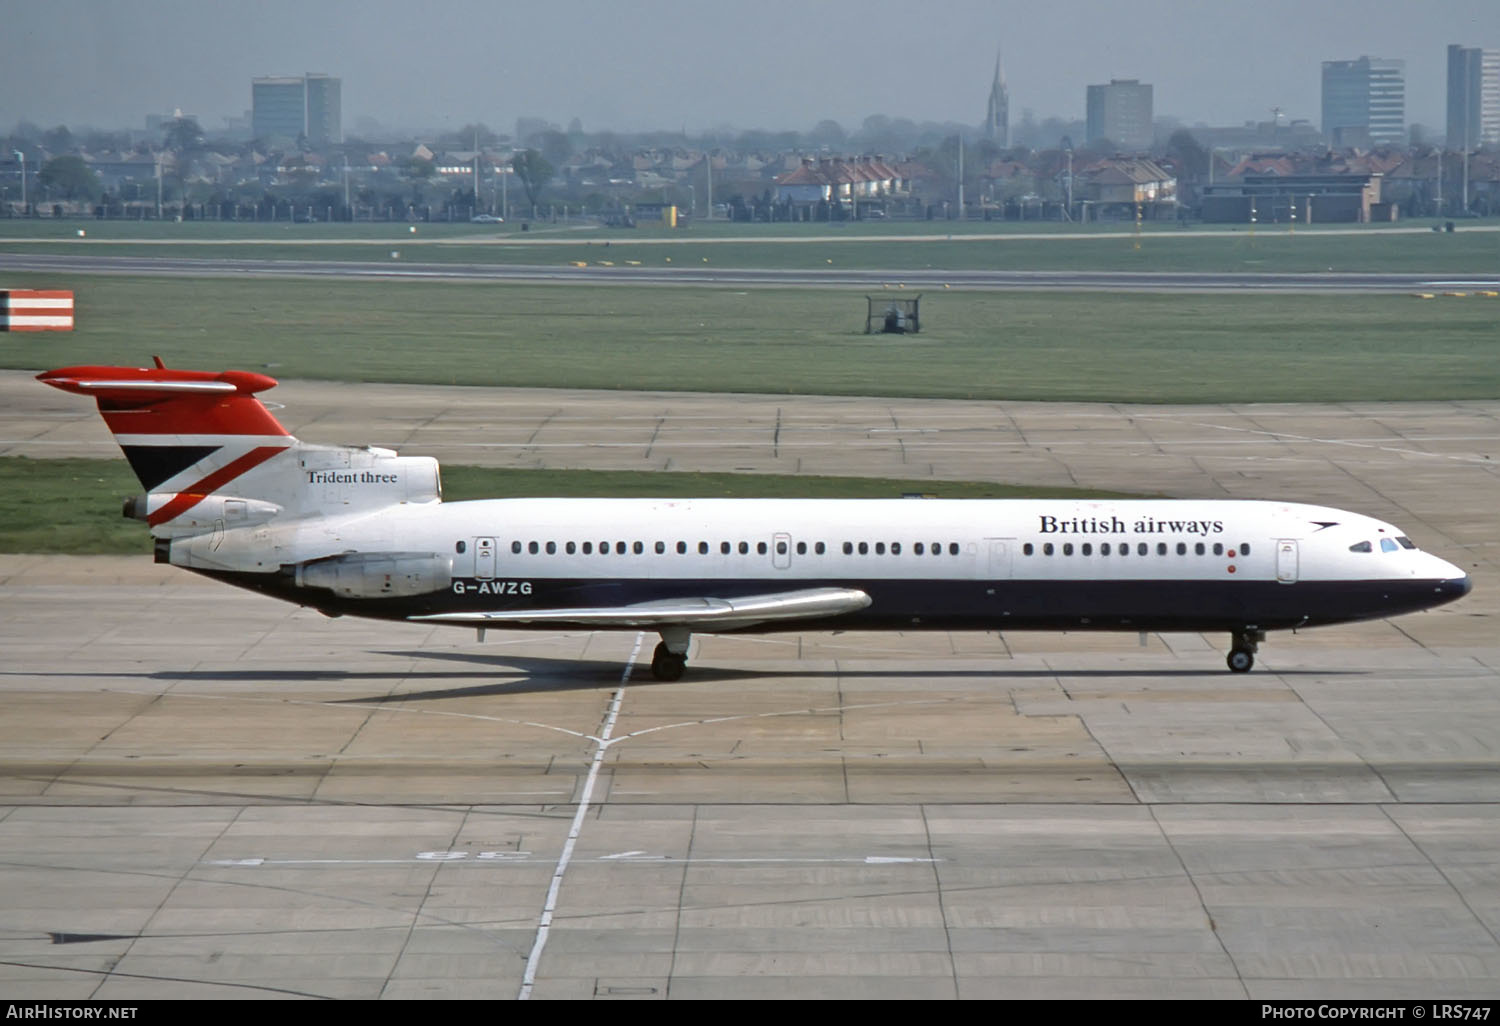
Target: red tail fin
{"type": "Point", "coordinates": [184, 432]}
{"type": "Point", "coordinates": [159, 401]}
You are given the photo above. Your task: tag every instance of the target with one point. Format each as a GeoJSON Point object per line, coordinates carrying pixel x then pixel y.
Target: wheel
{"type": "Point", "coordinates": [1240, 660]}
{"type": "Point", "coordinates": [667, 666]}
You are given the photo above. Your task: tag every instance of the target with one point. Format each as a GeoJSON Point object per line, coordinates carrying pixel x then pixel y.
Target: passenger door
{"type": "Point", "coordinates": [1286, 561]}
{"type": "Point", "coordinates": [484, 559]}
{"type": "Point", "coordinates": [781, 551]}
{"type": "Point", "coordinates": [1001, 552]}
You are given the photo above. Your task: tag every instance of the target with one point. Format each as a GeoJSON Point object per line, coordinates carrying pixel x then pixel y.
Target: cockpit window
{"type": "Point", "coordinates": [1386, 545]}
{"type": "Point", "coordinates": [1406, 543]}
{"type": "Point", "coordinates": [1363, 546]}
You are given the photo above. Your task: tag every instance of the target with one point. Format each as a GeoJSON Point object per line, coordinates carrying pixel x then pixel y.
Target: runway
{"type": "Point", "coordinates": [207, 794]}
{"type": "Point", "coordinates": [409, 269]}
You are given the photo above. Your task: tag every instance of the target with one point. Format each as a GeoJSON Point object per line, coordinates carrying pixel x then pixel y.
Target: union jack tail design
{"type": "Point", "coordinates": [188, 435]}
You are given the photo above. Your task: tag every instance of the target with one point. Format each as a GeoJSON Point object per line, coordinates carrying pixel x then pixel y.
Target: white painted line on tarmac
{"type": "Point", "coordinates": [601, 745]}
{"type": "Point", "coordinates": [525, 858]}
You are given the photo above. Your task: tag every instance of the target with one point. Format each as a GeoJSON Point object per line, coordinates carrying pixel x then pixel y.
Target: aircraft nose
{"type": "Point", "coordinates": [1452, 582]}
{"type": "Point", "coordinates": [1456, 587]}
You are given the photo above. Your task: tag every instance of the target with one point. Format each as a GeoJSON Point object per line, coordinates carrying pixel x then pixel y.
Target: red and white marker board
{"type": "Point", "coordinates": [35, 310]}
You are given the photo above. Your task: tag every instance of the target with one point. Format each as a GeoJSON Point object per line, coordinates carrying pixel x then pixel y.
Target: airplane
{"type": "Point", "coordinates": [363, 531]}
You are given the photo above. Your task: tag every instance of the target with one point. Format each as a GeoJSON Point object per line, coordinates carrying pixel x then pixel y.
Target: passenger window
{"type": "Point", "coordinates": [588, 548]}
{"type": "Point", "coordinates": [1161, 548]}
{"type": "Point", "coordinates": [818, 548]}
{"type": "Point", "coordinates": [802, 548]}
{"type": "Point", "coordinates": [460, 547]}
{"type": "Point", "coordinates": [1218, 549]}
{"type": "Point", "coordinates": [515, 547]}
{"type": "Point", "coordinates": [661, 547]}
{"type": "Point", "coordinates": [880, 548]}
{"type": "Point", "coordinates": [1067, 548]}
{"type": "Point", "coordinates": [917, 548]}
{"type": "Point", "coordinates": [953, 548]}
{"type": "Point", "coordinates": [682, 548]}
{"type": "Point", "coordinates": [1140, 550]}
{"type": "Point", "coordinates": [571, 548]}
{"type": "Point", "coordinates": [619, 548]}
{"type": "Point", "coordinates": [1026, 549]}
{"type": "Point", "coordinates": [937, 548]}
{"type": "Point", "coordinates": [864, 548]}
{"type": "Point", "coordinates": [1244, 550]}
{"type": "Point", "coordinates": [1363, 546]}
{"type": "Point", "coordinates": [1182, 548]}
{"type": "Point", "coordinates": [781, 548]}
{"type": "Point", "coordinates": [895, 548]}
{"type": "Point", "coordinates": [552, 548]}
{"type": "Point", "coordinates": [1046, 548]}
{"type": "Point", "coordinates": [532, 547]}
{"type": "Point", "coordinates": [848, 548]}
{"type": "Point", "coordinates": [1088, 549]}
{"type": "Point", "coordinates": [703, 548]}
{"type": "Point", "coordinates": [744, 548]}
{"type": "Point", "coordinates": [1104, 549]}
{"type": "Point", "coordinates": [724, 548]}
{"type": "Point", "coordinates": [1198, 549]}
{"type": "Point", "coordinates": [1386, 545]}
{"type": "Point", "coordinates": [760, 547]}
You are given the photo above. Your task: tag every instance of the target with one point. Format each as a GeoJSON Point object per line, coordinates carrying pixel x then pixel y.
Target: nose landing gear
{"type": "Point", "coordinates": [1242, 648]}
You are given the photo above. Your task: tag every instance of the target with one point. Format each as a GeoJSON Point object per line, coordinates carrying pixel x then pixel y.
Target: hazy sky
{"type": "Point", "coordinates": [642, 64]}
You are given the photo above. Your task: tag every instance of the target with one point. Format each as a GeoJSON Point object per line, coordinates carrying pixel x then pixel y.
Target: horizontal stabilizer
{"type": "Point", "coordinates": [705, 613]}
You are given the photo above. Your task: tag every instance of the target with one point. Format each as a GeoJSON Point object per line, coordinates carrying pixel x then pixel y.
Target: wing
{"type": "Point", "coordinates": [706, 613]}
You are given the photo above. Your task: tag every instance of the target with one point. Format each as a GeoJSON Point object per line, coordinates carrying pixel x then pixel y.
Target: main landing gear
{"type": "Point", "coordinates": [1242, 647]}
{"type": "Point", "coordinates": [670, 658]}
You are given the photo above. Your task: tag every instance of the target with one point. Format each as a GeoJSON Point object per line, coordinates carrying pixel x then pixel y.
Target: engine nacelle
{"type": "Point", "coordinates": [205, 512]}
{"type": "Point", "coordinates": [376, 575]}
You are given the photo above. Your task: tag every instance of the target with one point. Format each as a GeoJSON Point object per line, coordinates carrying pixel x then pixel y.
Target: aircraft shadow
{"type": "Point", "coordinates": [540, 674]}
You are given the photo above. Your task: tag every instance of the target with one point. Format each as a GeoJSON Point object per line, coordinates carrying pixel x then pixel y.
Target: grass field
{"type": "Point", "coordinates": [1131, 347]}
{"type": "Point", "coordinates": [73, 505]}
{"type": "Point", "coordinates": [945, 246]}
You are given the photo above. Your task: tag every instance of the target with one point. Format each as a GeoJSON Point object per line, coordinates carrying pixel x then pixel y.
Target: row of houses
{"type": "Point", "coordinates": [1354, 185]}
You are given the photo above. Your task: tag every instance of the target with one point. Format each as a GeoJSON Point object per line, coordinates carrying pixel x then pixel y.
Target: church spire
{"type": "Point", "coordinates": [997, 113]}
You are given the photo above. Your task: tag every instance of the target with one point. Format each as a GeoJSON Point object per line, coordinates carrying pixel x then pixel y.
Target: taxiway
{"type": "Point", "coordinates": [209, 794]}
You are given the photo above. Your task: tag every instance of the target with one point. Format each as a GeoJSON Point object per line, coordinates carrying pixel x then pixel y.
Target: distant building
{"type": "Point", "coordinates": [306, 106]}
{"type": "Point", "coordinates": [997, 112]}
{"type": "Point", "coordinates": [1364, 102]}
{"type": "Point", "coordinates": [857, 182]}
{"type": "Point", "coordinates": [324, 109]}
{"type": "Point", "coordinates": [1473, 97]}
{"type": "Point", "coordinates": [1294, 134]}
{"type": "Point", "coordinates": [1284, 197]}
{"type": "Point", "coordinates": [1129, 182]}
{"type": "Point", "coordinates": [1121, 113]}
{"type": "Point", "coordinates": [278, 107]}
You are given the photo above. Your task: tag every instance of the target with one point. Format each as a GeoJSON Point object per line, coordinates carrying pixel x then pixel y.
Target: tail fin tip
{"type": "Point", "coordinates": [145, 383]}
